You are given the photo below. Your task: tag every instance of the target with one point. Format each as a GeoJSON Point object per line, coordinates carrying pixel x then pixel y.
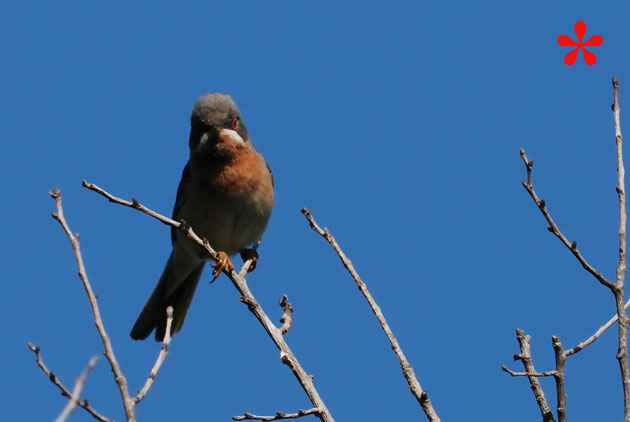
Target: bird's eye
{"type": "Point", "coordinates": [235, 123]}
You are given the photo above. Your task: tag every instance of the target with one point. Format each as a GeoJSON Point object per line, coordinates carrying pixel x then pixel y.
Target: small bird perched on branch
{"type": "Point", "coordinates": [225, 196]}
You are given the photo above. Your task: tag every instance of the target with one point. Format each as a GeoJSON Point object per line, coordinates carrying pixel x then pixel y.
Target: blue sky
{"type": "Point", "coordinates": [398, 124]}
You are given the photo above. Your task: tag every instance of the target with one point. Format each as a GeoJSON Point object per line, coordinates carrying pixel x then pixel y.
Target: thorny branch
{"type": "Point", "coordinates": [414, 385]}
{"type": "Point", "coordinates": [238, 279]}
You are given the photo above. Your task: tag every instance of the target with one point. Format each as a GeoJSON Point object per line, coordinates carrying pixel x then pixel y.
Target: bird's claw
{"type": "Point", "coordinates": [247, 254]}
{"type": "Point", "coordinates": [222, 263]}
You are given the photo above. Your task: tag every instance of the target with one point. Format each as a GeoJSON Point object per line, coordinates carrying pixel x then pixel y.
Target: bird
{"type": "Point", "coordinates": [225, 195]}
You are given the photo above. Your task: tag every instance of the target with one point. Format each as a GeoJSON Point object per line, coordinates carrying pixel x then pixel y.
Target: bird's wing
{"type": "Point", "coordinates": [270, 172]}
{"type": "Point", "coordinates": [181, 198]}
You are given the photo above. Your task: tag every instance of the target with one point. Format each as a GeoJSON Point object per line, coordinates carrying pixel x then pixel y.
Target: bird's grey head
{"type": "Point", "coordinates": [211, 113]}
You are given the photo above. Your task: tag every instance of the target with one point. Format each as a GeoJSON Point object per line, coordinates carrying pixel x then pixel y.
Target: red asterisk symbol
{"type": "Point", "coordinates": [580, 30]}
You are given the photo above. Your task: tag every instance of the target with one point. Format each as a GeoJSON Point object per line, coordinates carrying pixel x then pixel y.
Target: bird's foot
{"type": "Point", "coordinates": [222, 264]}
{"type": "Point", "coordinates": [247, 254]}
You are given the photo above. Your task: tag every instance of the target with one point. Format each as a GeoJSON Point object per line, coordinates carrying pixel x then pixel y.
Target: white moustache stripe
{"type": "Point", "coordinates": [230, 135]}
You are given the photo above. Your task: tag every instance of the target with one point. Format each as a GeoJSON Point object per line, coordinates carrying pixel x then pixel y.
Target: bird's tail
{"type": "Point", "coordinates": [176, 288]}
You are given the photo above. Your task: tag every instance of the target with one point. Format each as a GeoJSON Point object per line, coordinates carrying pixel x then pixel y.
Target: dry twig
{"type": "Point", "coordinates": [160, 360]}
{"type": "Point", "coordinates": [528, 374]}
{"type": "Point", "coordinates": [526, 357]}
{"type": "Point", "coordinates": [553, 228]}
{"type": "Point", "coordinates": [121, 382]}
{"type": "Point", "coordinates": [583, 344]}
{"type": "Point", "coordinates": [128, 402]}
{"type": "Point", "coordinates": [238, 279]}
{"type": "Point", "coordinates": [76, 392]}
{"type": "Point", "coordinates": [414, 386]}
{"type": "Point", "coordinates": [278, 415]}
{"type": "Point", "coordinates": [617, 288]}
{"type": "Point", "coordinates": [561, 394]}
{"type": "Point", "coordinates": [64, 391]}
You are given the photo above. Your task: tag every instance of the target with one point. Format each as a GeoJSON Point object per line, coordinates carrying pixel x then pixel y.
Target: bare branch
{"type": "Point", "coordinates": [595, 335]}
{"type": "Point", "coordinates": [238, 280]}
{"type": "Point", "coordinates": [561, 394]}
{"type": "Point", "coordinates": [414, 386]}
{"type": "Point", "coordinates": [287, 317]}
{"type": "Point", "coordinates": [76, 392]}
{"type": "Point", "coordinates": [621, 189]}
{"type": "Point", "coordinates": [622, 351]}
{"type": "Point", "coordinates": [528, 374]}
{"type": "Point", "coordinates": [526, 357]}
{"type": "Point", "coordinates": [278, 416]}
{"type": "Point", "coordinates": [161, 357]}
{"type": "Point", "coordinates": [109, 351]}
{"type": "Point", "coordinates": [64, 391]}
{"type": "Point", "coordinates": [553, 228]}
{"type": "Point", "coordinates": [135, 204]}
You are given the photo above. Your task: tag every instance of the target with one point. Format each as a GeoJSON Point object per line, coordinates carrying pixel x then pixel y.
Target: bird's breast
{"type": "Point", "coordinates": [230, 204]}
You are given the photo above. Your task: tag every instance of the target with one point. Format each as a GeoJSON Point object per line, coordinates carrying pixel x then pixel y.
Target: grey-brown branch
{"type": "Point", "coordinates": [618, 290]}
{"type": "Point", "coordinates": [239, 282]}
{"type": "Point", "coordinates": [526, 358]}
{"type": "Point", "coordinates": [85, 404]}
{"type": "Point", "coordinates": [408, 372]}
{"type": "Point", "coordinates": [278, 416]}
{"type": "Point", "coordinates": [76, 392]}
{"type": "Point", "coordinates": [109, 350]}
{"type": "Point", "coordinates": [553, 227]}
{"type": "Point", "coordinates": [129, 402]}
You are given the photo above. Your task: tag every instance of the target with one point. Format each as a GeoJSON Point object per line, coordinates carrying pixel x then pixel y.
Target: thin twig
{"type": "Point", "coordinates": [109, 351]}
{"type": "Point", "coordinates": [64, 391]}
{"type": "Point", "coordinates": [135, 204]}
{"type": "Point", "coordinates": [526, 357]}
{"type": "Point", "coordinates": [278, 415]}
{"type": "Point", "coordinates": [158, 363]}
{"type": "Point", "coordinates": [76, 392]}
{"type": "Point", "coordinates": [596, 334]}
{"type": "Point", "coordinates": [287, 316]}
{"type": "Point", "coordinates": [286, 355]}
{"type": "Point", "coordinates": [553, 228]}
{"type": "Point", "coordinates": [528, 374]}
{"type": "Point", "coordinates": [618, 290]}
{"type": "Point", "coordinates": [414, 385]}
